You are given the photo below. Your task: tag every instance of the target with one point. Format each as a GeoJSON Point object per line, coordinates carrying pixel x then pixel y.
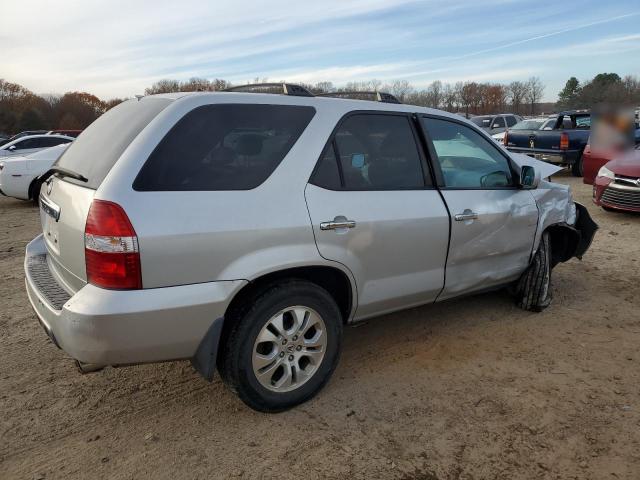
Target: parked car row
{"type": "Point", "coordinates": [538, 123]}
{"type": "Point", "coordinates": [244, 230]}
{"type": "Point", "coordinates": [68, 133]}
{"type": "Point", "coordinates": [20, 174]}
{"type": "Point", "coordinates": [561, 144]}
{"type": "Point", "coordinates": [31, 144]}
{"type": "Point", "coordinates": [493, 124]}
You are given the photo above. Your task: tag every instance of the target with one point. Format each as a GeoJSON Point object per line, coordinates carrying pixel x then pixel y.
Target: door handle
{"type": "Point", "coordinates": [466, 215]}
{"type": "Point", "coordinates": [335, 224]}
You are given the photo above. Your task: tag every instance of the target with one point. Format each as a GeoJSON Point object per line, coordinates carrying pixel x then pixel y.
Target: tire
{"type": "Point", "coordinates": [533, 289]}
{"type": "Point", "coordinates": [576, 167]}
{"type": "Point", "coordinates": [34, 191]}
{"type": "Point", "coordinates": [270, 376]}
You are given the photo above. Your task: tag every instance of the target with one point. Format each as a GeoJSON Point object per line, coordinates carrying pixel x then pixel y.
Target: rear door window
{"type": "Point", "coordinates": [511, 121]}
{"type": "Point", "coordinates": [223, 147]}
{"type": "Point", "coordinates": [372, 152]}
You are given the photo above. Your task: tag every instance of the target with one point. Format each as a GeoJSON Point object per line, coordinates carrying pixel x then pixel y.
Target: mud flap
{"type": "Point", "coordinates": [204, 361]}
{"type": "Point", "coordinates": [586, 227]}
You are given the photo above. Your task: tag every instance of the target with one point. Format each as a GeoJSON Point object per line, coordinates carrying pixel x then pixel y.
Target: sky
{"type": "Point", "coordinates": [117, 48]}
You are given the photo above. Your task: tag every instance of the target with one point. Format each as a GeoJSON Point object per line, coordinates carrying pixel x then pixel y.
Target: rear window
{"type": "Point", "coordinates": [98, 148]}
{"type": "Point", "coordinates": [482, 121]}
{"type": "Point", "coordinates": [223, 147]}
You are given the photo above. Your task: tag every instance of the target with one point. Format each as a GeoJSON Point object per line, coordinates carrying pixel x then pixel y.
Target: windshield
{"type": "Point", "coordinates": [99, 147]}
{"type": "Point", "coordinates": [482, 121]}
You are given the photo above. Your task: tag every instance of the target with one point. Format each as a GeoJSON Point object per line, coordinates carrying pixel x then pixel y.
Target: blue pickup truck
{"type": "Point", "coordinates": [562, 143]}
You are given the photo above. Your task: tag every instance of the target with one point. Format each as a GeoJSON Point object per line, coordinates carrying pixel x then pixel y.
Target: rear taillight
{"type": "Point", "coordinates": [505, 139]}
{"type": "Point", "coordinates": [564, 141]}
{"type": "Point", "coordinates": [111, 248]}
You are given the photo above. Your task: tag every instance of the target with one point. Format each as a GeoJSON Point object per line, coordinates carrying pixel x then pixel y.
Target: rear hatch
{"type": "Point", "coordinates": [65, 201]}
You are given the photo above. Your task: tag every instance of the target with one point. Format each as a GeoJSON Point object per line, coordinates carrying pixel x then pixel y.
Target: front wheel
{"type": "Point", "coordinates": [533, 290]}
{"type": "Point", "coordinates": [283, 348]}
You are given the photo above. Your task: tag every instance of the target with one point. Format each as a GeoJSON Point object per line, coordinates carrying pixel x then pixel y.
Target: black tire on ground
{"type": "Point", "coordinates": [576, 168]}
{"type": "Point", "coordinates": [533, 289]}
{"type": "Point", "coordinates": [245, 324]}
{"type": "Point", "coordinates": [34, 191]}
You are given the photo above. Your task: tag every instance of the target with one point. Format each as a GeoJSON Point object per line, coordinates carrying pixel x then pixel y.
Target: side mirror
{"type": "Point", "coordinates": [529, 177]}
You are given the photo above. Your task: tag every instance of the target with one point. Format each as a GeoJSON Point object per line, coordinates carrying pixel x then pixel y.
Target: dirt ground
{"type": "Point", "coordinates": [469, 389]}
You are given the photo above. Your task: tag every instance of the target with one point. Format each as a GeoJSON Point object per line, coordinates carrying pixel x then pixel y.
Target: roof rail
{"type": "Point", "coordinates": [357, 95]}
{"type": "Point", "coordinates": [281, 88]}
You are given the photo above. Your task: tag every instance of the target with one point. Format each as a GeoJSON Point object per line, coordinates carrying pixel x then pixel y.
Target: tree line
{"type": "Point", "coordinates": [21, 109]}
{"type": "Point", "coordinates": [603, 88]}
{"type": "Point", "coordinates": [472, 98]}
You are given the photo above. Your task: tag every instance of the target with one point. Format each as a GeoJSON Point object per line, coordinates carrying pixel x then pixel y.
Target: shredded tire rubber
{"type": "Point", "coordinates": [533, 290]}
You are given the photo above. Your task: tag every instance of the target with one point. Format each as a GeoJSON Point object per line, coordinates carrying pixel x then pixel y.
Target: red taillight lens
{"type": "Point", "coordinates": [564, 141]}
{"type": "Point", "coordinates": [111, 248]}
{"type": "Point", "coordinates": [505, 139]}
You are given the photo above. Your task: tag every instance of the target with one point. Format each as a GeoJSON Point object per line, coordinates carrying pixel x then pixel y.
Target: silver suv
{"type": "Point", "coordinates": [243, 230]}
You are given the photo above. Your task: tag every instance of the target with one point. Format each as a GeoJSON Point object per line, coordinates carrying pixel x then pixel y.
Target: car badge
{"type": "Point", "coordinates": [531, 143]}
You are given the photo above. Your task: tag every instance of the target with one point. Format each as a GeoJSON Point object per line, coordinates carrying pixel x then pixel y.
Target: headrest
{"type": "Point", "coordinates": [249, 144]}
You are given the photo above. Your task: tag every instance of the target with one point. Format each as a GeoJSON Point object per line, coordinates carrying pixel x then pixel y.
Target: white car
{"type": "Point", "coordinates": [541, 123]}
{"type": "Point", "coordinates": [31, 144]}
{"type": "Point", "coordinates": [19, 174]}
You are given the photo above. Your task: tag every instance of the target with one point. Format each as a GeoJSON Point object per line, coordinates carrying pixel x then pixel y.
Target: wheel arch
{"type": "Point", "coordinates": [564, 240]}
{"type": "Point", "coordinates": [30, 192]}
{"type": "Point", "coordinates": [334, 280]}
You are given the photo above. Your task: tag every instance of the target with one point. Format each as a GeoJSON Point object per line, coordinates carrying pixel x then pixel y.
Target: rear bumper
{"type": "Point", "coordinates": [559, 157]}
{"type": "Point", "coordinates": [119, 327]}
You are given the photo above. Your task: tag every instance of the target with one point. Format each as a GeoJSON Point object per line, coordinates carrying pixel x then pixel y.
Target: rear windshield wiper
{"type": "Point", "coordinates": [63, 172]}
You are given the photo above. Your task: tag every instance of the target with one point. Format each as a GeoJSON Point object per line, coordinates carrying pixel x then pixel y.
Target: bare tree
{"type": "Point", "coordinates": [218, 84]}
{"type": "Point", "coordinates": [163, 86]}
{"type": "Point", "coordinates": [535, 89]}
{"type": "Point", "coordinates": [399, 88]}
{"type": "Point", "coordinates": [195, 84]}
{"type": "Point", "coordinates": [517, 94]}
{"type": "Point", "coordinates": [434, 94]}
{"type": "Point", "coordinates": [449, 97]}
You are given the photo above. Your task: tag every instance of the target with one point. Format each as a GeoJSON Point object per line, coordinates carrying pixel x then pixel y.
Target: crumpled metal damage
{"type": "Point", "coordinates": [556, 205]}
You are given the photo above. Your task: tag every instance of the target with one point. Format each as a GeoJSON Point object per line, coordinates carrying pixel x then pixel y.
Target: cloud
{"type": "Point", "coordinates": [120, 47]}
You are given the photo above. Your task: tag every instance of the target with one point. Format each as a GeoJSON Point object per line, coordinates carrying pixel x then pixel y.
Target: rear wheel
{"type": "Point", "coordinates": [283, 348]}
{"type": "Point", "coordinates": [533, 290]}
{"type": "Point", "coordinates": [576, 167]}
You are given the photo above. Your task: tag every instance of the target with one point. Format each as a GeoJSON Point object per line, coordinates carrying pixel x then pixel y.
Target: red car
{"type": "Point", "coordinates": [593, 161]}
{"type": "Point", "coordinates": [617, 183]}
